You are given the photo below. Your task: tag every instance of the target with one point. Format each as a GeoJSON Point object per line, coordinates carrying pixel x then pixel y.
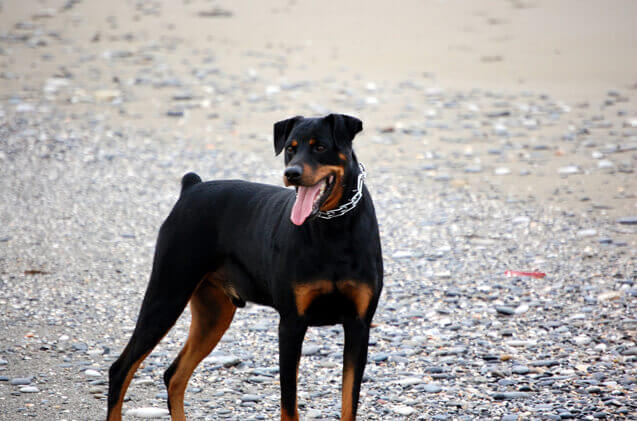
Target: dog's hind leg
{"type": "Point", "coordinates": [170, 287]}
{"type": "Point", "coordinates": [354, 360]}
{"type": "Point", "coordinates": [212, 311]}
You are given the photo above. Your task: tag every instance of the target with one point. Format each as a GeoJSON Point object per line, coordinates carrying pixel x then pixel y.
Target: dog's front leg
{"type": "Point", "coordinates": [354, 360]}
{"type": "Point", "coordinates": [291, 334]}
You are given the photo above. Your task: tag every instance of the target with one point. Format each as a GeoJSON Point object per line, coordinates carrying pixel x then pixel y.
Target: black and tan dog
{"type": "Point", "coordinates": [314, 256]}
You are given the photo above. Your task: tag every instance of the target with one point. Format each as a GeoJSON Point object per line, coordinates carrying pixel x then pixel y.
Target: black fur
{"type": "Point", "coordinates": [244, 229]}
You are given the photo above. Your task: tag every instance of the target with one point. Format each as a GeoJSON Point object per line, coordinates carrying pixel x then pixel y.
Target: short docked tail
{"type": "Point", "coordinates": [189, 180]}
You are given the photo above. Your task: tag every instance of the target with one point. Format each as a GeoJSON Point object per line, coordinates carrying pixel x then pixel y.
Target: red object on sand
{"type": "Point", "coordinates": [531, 274]}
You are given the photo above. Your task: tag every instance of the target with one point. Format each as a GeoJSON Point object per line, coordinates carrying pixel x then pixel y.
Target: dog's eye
{"type": "Point", "coordinates": [319, 148]}
{"type": "Point", "coordinates": [290, 149]}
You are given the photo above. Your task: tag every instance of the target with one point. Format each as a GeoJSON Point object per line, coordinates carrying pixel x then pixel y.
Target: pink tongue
{"type": "Point", "coordinates": [303, 206]}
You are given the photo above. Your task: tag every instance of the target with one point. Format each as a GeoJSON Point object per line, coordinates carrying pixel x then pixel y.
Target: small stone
{"type": "Point", "coordinates": [632, 351]}
{"type": "Point", "coordinates": [570, 169]}
{"type": "Point", "coordinates": [3, 361]}
{"type": "Point", "coordinates": [402, 254]}
{"type": "Point", "coordinates": [628, 220]}
{"type": "Point", "coordinates": [403, 410]}
{"type": "Point", "coordinates": [509, 395]}
{"type": "Point", "coordinates": [175, 113]}
{"type": "Point", "coordinates": [600, 347]}
{"type": "Point", "coordinates": [182, 96]}
{"type": "Point", "coordinates": [314, 413]}
{"type": "Point", "coordinates": [631, 123]}
{"type": "Point", "coordinates": [381, 356]}
{"type": "Point", "coordinates": [250, 398]}
{"type": "Point", "coordinates": [502, 171]}
{"type": "Point", "coordinates": [432, 388]}
{"type": "Point", "coordinates": [310, 349]}
{"type": "Point", "coordinates": [95, 352]}
{"type": "Point", "coordinates": [224, 360]}
{"type": "Point", "coordinates": [79, 346]}
{"type": "Point", "coordinates": [520, 369]}
{"type": "Point", "coordinates": [92, 373]}
{"type": "Point", "coordinates": [409, 381]}
{"type": "Point", "coordinates": [107, 95]}
{"type": "Point", "coordinates": [21, 381]}
{"type": "Point", "coordinates": [609, 296]}
{"type": "Point", "coordinates": [582, 340]}
{"type": "Point", "coordinates": [586, 233]}
{"type": "Point", "coordinates": [147, 412]}
{"type": "Point", "coordinates": [29, 389]}
{"type": "Point", "coordinates": [505, 310]}
{"type": "Point", "coordinates": [544, 363]}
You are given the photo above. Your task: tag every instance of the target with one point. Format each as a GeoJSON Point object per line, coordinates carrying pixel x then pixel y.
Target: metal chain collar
{"type": "Point", "coordinates": [346, 207]}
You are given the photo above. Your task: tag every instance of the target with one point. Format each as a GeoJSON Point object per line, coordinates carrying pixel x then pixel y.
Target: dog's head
{"type": "Point", "coordinates": [318, 156]}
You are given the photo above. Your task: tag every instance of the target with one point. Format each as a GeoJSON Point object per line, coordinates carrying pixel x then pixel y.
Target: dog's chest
{"type": "Point", "coordinates": [324, 300]}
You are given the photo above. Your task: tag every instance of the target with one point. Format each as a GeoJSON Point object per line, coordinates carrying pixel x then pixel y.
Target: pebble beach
{"type": "Point", "coordinates": [498, 136]}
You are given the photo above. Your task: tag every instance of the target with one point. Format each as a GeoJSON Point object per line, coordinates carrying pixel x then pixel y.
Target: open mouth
{"type": "Point", "coordinates": [309, 199]}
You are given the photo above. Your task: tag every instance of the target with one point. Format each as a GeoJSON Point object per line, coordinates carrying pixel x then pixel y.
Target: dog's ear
{"type": "Point", "coordinates": [282, 130]}
{"type": "Point", "coordinates": [344, 128]}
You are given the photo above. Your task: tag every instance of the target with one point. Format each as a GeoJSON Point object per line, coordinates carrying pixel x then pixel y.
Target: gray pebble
{"type": "Point", "coordinates": [628, 220]}
{"type": "Point", "coordinates": [19, 381]}
{"type": "Point", "coordinates": [510, 395]}
{"type": "Point", "coordinates": [505, 310]}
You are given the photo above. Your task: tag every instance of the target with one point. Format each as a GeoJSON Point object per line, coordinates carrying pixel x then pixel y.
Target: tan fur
{"type": "Point", "coordinates": [212, 312]}
{"type": "Point", "coordinates": [359, 292]}
{"type": "Point", "coordinates": [347, 410]}
{"type": "Point", "coordinates": [116, 413]}
{"type": "Point", "coordinates": [305, 293]}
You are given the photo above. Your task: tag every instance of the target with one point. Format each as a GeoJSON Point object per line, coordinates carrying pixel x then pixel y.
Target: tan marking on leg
{"type": "Point", "coordinates": [289, 417]}
{"type": "Point", "coordinates": [359, 292]}
{"type": "Point", "coordinates": [347, 410]}
{"type": "Point", "coordinates": [212, 311]}
{"type": "Point", "coordinates": [116, 413]}
{"type": "Point", "coordinates": [294, 143]}
{"type": "Point", "coordinates": [304, 294]}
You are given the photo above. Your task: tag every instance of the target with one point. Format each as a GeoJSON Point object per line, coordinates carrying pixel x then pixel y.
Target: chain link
{"type": "Point", "coordinates": [346, 207]}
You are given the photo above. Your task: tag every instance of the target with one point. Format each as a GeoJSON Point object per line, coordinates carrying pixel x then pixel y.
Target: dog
{"type": "Point", "coordinates": [314, 256]}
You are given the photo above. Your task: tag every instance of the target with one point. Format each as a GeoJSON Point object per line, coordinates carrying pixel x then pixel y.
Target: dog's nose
{"type": "Point", "coordinates": [293, 172]}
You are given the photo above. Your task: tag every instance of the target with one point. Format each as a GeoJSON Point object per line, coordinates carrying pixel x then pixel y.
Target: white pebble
{"type": "Point", "coordinates": [582, 340]}
{"type": "Point", "coordinates": [148, 412]}
{"type": "Point", "coordinates": [570, 169]}
{"type": "Point", "coordinates": [403, 410]}
{"type": "Point", "coordinates": [409, 381]}
{"type": "Point", "coordinates": [502, 171]}
{"type": "Point", "coordinates": [92, 373]}
{"type": "Point", "coordinates": [587, 233]}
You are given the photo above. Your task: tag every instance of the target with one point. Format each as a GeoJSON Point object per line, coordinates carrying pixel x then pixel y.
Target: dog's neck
{"type": "Point", "coordinates": [352, 185]}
